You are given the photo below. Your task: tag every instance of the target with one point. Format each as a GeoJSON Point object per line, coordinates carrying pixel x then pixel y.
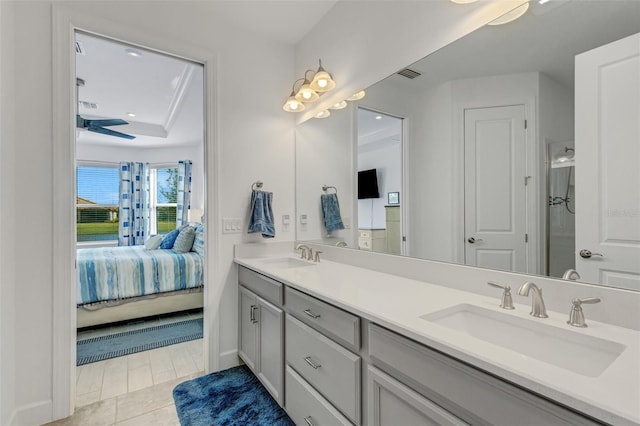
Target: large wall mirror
{"type": "Point", "coordinates": [477, 155]}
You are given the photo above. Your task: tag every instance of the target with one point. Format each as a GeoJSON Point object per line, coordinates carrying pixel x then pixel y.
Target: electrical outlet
{"type": "Point", "coordinates": [303, 219]}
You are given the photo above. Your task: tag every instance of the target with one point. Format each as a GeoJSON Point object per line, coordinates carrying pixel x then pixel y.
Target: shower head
{"type": "Point", "coordinates": [565, 160]}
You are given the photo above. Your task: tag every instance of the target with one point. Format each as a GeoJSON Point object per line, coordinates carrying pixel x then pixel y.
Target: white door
{"type": "Point", "coordinates": [608, 164]}
{"type": "Point", "coordinates": [495, 201]}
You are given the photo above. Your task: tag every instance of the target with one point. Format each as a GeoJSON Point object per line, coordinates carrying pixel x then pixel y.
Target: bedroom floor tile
{"type": "Point", "coordinates": [117, 377]}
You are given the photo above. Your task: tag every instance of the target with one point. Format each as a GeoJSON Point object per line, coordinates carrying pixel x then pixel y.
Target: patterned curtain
{"type": "Point", "coordinates": [133, 228]}
{"type": "Point", "coordinates": [184, 192]}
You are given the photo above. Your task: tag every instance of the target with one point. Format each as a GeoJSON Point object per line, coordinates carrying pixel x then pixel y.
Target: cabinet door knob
{"type": "Point", "coordinates": [311, 363]}
{"type": "Point", "coordinates": [311, 314]}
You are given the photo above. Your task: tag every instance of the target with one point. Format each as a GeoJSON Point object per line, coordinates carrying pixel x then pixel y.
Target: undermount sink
{"type": "Point", "coordinates": [286, 262]}
{"type": "Point", "coordinates": [582, 354]}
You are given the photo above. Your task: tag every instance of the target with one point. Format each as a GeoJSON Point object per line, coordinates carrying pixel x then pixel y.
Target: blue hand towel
{"type": "Point", "coordinates": [261, 219]}
{"type": "Point", "coordinates": [331, 212]}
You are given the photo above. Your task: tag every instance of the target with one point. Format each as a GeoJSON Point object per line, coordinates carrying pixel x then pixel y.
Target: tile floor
{"type": "Point", "coordinates": [135, 389]}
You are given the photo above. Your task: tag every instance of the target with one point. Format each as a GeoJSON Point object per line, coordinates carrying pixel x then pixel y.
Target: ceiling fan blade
{"type": "Point", "coordinates": [109, 132]}
{"type": "Point", "coordinates": [105, 122]}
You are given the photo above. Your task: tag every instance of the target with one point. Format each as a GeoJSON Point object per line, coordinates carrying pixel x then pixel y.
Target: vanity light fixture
{"type": "Point", "coordinates": [339, 105]}
{"type": "Point", "coordinates": [305, 92]}
{"type": "Point", "coordinates": [310, 90]}
{"type": "Point", "coordinates": [510, 16]}
{"type": "Point", "coordinates": [357, 96]}
{"type": "Point", "coordinates": [131, 114]}
{"type": "Point", "coordinates": [322, 80]}
{"type": "Point", "coordinates": [323, 114]}
{"type": "Point", "coordinates": [292, 104]}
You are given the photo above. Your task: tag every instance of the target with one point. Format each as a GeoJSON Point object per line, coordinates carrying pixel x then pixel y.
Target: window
{"type": "Point", "coordinates": [164, 199]}
{"type": "Point", "coordinates": [97, 203]}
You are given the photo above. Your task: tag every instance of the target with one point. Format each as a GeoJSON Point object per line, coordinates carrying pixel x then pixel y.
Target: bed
{"type": "Point", "coordinates": [121, 283]}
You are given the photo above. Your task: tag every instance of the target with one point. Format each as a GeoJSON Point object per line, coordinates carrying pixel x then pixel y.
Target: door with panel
{"type": "Point", "coordinates": [494, 188]}
{"type": "Point", "coordinates": [607, 158]}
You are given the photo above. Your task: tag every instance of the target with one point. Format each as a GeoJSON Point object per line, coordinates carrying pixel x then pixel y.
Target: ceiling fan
{"type": "Point", "coordinates": [99, 125]}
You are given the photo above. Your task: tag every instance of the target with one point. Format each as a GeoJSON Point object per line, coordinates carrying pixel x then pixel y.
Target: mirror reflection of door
{"type": "Point", "coordinates": [380, 158]}
{"type": "Point", "coordinates": [495, 199]}
{"type": "Point", "coordinates": [607, 157]}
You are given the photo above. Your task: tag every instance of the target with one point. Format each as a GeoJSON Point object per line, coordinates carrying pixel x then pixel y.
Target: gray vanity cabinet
{"type": "Point", "coordinates": [392, 403]}
{"type": "Point", "coordinates": [462, 392]}
{"type": "Point", "coordinates": [261, 331]}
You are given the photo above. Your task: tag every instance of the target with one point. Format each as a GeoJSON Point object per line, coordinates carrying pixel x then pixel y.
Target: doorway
{"type": "Point", "coordinates": [139, 117]}
{"type": "Point", "coordinates": [381, 196]}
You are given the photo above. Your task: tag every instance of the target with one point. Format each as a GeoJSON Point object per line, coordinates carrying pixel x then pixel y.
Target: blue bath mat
{"type": "Point", "coordinates": [129, 342]}
{"type": "Point", "coordinates": [232, 397]}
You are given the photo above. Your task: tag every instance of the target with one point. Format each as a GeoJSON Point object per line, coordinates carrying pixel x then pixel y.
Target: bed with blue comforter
{"type": "Point", "coordinates": [120, 273]}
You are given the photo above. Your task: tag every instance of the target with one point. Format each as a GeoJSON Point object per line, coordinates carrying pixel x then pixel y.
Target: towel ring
{"type": "Point", "coordinates": [256, 184]}
{"type": "Point", "coordinates": [325, 188]}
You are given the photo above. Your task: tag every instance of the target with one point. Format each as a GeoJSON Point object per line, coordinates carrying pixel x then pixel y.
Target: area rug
{"type": "Point", "coordinates": [128, 342]}
{"type": "Point", "coordinates": [230, 397]}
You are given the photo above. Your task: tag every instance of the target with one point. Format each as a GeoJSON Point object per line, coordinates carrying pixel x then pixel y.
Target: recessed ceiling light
{"type": "Point", "coordinates": [542, 1]}
{"type": "Point", "coordinates": [511, 16]}
{"type": "Point", "coordinates": [132, 52]}
{"type": "Point", "coordinates": [378, 117]}
{"type": "Point", "coordinates": [131, 114]}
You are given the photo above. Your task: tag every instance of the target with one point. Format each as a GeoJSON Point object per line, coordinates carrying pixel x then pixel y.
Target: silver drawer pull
{"type": "Point", "coordinates": [311, 314]}
{"type": "Point", "coordinates": [311, 363]}
{"type": "Point", "coordinates": [252, 314]}
{"type": "Point", "coordinates": [308, 420]}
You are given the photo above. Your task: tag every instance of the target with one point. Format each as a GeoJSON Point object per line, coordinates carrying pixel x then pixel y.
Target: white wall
{"type": "Point", "coordinates": [255, 138]}
{"type": "Point", "coordinates": [325, 156]}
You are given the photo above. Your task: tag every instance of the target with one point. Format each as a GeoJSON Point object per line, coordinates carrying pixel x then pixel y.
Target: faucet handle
{"type": "Point", "coordinates": [576, 316]}
{"type": "Point", "coordinates": [317, 256]}
{"type": "Point", "coordinates": [507, 300]}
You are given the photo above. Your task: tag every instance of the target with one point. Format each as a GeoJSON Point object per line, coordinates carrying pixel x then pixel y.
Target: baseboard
{"type": "Point", "coordinates": [35, 413]}
{"type": "Point", "coordinates": [228, 359]}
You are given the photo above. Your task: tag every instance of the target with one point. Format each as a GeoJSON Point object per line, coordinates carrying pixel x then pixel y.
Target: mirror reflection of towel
{"type": "Point", "coordinates": [261, 218]}
{"type": "Point", "coordinates": [331, 212]}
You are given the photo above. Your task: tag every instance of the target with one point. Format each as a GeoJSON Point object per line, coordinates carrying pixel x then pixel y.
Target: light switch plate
{"type": "Point", "coordinates": [231, 225]}
{"type": "Point", "coordinates": [303, 219]}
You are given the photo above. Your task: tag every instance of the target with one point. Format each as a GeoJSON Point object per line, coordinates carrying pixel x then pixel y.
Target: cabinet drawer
{"type": "Point", "coordinates": [306, 406]}
{"type": "Point", "coordinates": [341, 326]}
{"type": "Point", "coordinates": [265, 287]}
{"type": "Point", "coordinates": [328, 367]}
{"type": "Point", "coordinates": [473, 395]}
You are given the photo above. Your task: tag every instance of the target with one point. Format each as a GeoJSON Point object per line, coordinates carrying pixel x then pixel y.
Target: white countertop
{"type": "Point", "coordinates": [398, 303]}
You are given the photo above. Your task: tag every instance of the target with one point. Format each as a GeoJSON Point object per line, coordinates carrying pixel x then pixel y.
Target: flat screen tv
{"type": "Point", "coordinates": [368, 184]}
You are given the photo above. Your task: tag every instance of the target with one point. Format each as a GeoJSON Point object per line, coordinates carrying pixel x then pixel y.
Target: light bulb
{"type": "Point", "coordinates": [322, 83]}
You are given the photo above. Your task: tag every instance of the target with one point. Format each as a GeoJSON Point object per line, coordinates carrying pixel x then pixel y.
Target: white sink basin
{"type": "Point", "coordinates": [582, 354]}
{"type": "Point", "coordinates": [286, 262]}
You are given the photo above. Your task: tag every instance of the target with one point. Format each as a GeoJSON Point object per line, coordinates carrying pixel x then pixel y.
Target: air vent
{"type": "Point", "coordinates": [411, 74]}
{"type": "Point", "coordinates": [88, 105]}
{"type": "Point", "coordinates": [80, 48]}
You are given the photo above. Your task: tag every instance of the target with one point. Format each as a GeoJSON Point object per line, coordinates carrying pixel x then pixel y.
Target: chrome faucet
{"type": "Point", "coordinates": [317, 256]}
{"type": "Point", "coordinates": [305, 249]}
{"type": "Point", "coordinates": [576, 316]}
{"type": "Point", "coordinates": [537, 303]}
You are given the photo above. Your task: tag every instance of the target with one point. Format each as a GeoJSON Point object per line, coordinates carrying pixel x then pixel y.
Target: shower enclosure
{"type": "Point", "coordinates": [561, 229]}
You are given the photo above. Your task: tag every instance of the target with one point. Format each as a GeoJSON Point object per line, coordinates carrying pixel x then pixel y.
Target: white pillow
{"type": "Point", "coordinates": [153, 243]}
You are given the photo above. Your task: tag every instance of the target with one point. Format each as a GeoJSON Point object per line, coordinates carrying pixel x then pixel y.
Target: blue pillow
{"type": "Point", "coordinates": [169, 239]}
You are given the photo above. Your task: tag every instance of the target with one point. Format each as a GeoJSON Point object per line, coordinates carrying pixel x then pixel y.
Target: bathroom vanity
{"type": "Point", "coordinates": [337, 344]}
